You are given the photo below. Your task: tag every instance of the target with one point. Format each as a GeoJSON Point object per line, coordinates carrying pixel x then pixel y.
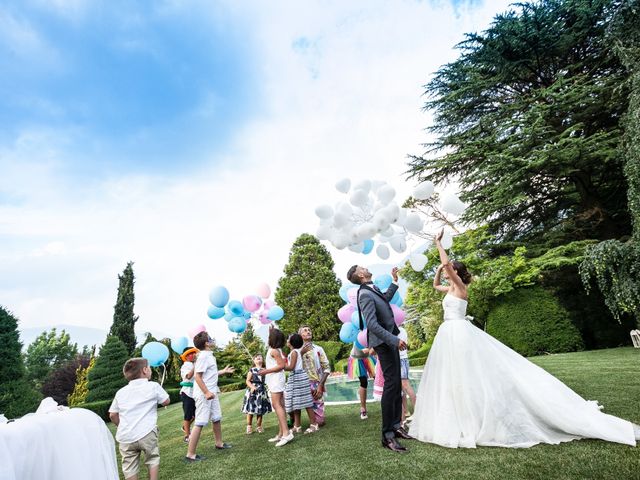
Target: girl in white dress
{"type": "Point", "coordinates": [476, 391]}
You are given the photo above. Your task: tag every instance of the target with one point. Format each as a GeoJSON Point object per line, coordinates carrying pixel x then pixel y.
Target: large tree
{"type": "Point", "coordinates": [48, 352]}
{"type": "Point", "coordinates": [61, 382]}
{"type": "Point", "coordinates": [17, 395]}
{"type": "Point", "coordinates": [124, 320]}
{"type": "Point", "coordinates": [309, 290]}
{"type": "Point", "coordinates": [528, 120]}
{"type": "Point", "coordinates": [106, 377]}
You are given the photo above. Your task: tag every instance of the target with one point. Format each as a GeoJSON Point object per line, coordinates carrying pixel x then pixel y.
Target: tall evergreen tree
{"type": "Point", "coordinates": [309, 290]}
{"type": "Point", "coordinates": [17, 396]}
{"type": "Point", "coordinates": [124, 319]}
{"type": "Point", "coordinates": [105, 378]}
{"type": "Point", "coordinates": [528, 120]}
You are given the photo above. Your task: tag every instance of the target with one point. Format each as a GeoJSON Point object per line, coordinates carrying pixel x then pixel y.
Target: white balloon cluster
{"type": "Point", "coordinates": [371, 210]}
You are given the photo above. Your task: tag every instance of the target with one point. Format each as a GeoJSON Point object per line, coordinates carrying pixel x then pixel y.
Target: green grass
{"type": "Point", "coordinates": [349, 448]}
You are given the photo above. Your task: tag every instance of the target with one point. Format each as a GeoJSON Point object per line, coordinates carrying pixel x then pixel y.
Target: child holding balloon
{"type": "Point", "coordinates": [134, 411]}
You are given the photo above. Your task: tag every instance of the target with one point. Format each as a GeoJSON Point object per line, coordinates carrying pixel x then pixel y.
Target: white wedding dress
{"type": "Point", "coordinates": [476, 391]}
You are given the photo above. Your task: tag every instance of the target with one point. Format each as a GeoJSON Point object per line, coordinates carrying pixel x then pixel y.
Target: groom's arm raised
{"type": "Point", "coordinates": [368, 309]}
{"type": "Point", "coordinates": [393, 288]}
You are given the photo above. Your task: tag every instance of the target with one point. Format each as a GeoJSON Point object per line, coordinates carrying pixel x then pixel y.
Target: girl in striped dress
{"type": "Point", "coordinates": [297, 394]}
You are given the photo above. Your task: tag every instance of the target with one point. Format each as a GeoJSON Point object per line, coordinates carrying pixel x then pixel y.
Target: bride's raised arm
{"type": "Point", "coordinates": [455, 280]}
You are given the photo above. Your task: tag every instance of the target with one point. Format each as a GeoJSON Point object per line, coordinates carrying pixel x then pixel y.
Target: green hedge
{"type": "Point", "coordinates": [532, 321]}
{"type": "Point", "coordinates": [231, 387]}
{"type": "Point", "coordinates": [101, 408]}
{"type": "Point", "coordinates": [334, 350]}
{"type": "Point", "coordinates": [341, 365]}
{"type": "Point", "coordinates": [417, 361]}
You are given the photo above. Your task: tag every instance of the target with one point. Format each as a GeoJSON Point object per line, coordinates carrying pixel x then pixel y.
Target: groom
{"type": "Point", "coordinates": [382, 337]}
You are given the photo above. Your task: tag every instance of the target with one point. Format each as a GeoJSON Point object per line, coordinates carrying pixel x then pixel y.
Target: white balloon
{"type": "Point", "coordinates": [398, 243]}
{"type": "Point", "coordinates": [376, 184]}
{"type": "Point", "coordinates": [382, 251]}
{"type": "Point", "coordinates": [424, 191]}
{"type": "Point", "coordinates": [414, 223]}
{"type": "Point", "coordinates": [340, 241]}
{"type": "Point", "coordinates": [380, 222]}
{"type": "Point", "coordinates": [367, 230]}
{"type": "Point", "coordinates": [343, 185]}
{"type": "Point", "coordinates": [450, 203]}
{"type": "Point", "coordinates": [417, 261]}
{"type": "Point", "coordinates": [358, 198]}
{"type": "Point", "coordinates": [447, 239]}
{"type": "Point", "coordinates": [324, 232]}
{"type": "Point", "coordinates": [402, 216]}
{"type": "Point", "coordinates": [357, 247]}
{"type": "Point", "coordinates": [344, 208]}
{"type": "Point", "coordinates": [340, 220]}
{"type": "Point", "coordinates": [324, 211]}
{"type": "Point", "coordinates": [386, 193]}
{"type": "Point", "coordinates": [389, 232]}
{"type": "Point", "coordinates": [422, 248]}
{"type": "Point", "coordinates": [364, 185]}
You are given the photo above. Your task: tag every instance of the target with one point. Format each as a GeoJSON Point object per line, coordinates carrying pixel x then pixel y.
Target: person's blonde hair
{"type": "Point", "coordinates": [133, 368]}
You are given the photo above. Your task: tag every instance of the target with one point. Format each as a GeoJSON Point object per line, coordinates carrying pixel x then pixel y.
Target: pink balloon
{"type": "Point", "coordinates": [263, 319]}
{"type": "Point", "coordinates": [251, 303]}
{"type": "Point", "coordinates": [352, 295]}
{"type": "Point", "coordinates": [267, 304]}
{"type": "Point", "coordinates": [362, 338]}
{"type": "Point", "coordinates": [345, 312]}
{"type": "Point", "coordinates": [263, 290]}
{"type": "Point", "coordinates": [398, 314]}
{"type": "Point", "coordinates": [196, 330]}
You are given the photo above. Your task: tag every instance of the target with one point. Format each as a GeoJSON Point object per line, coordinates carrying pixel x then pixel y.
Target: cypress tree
{"type": "Point", "coordinates": [124, 319]}
{"type": "Point", "coordinates": [105, 378]}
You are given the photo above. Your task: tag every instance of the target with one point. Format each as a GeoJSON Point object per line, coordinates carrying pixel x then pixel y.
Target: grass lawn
{"type": "Point", "coordinates": [348, 448]}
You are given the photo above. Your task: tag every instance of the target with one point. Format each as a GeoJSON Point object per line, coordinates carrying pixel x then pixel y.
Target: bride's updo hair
{"type": "Point", "coordinates": [462, 272]}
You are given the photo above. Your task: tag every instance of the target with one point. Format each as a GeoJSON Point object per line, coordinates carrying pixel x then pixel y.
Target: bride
{"type": "Point", "coordinates": [476, 391]}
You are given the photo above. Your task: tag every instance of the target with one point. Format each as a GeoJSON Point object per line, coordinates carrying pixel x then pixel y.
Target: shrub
{"type": "Point", "coordinates": [341, 365]}
{"type": "Point", "coordinates": [60, 382]}
{"type": "Point", "coordinates": [232, 387]}
{"type": "Point", "coordinates": [532, 321]}
{"type": "Point", "coordinates": [106, 377]}
{"type": "Point", "coordinates": [101, 408]}
{"type": "Point", "coordinates": [334, 350]}
{"type": "Point", "coordinates": [417, 361]}
{"type": "Point", "coordinates": [17, 398]}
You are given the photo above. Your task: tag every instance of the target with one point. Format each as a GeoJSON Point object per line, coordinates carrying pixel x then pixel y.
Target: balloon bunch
{"type": "Point", "coordinates": [371, 211]}
{"type": "Point", "coordinates": [349, 316]}
{"type": "Point", "coordinates": [237, 313]}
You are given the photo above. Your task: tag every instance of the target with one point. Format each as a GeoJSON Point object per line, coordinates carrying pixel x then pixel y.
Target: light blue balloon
{"type": "Point", "coordinates": [383, 281]}
{"type": "Point", "coordinates": [355, 320]}
{"type": "Point", "coordinates": [219, 296]}
{"type": "Point", "coordinates": [215, 312]}
{"type": "Point", "coordinates": [236, 308]}
{"type": "Point", "coordinates": [343, 291]}
{"type": "Point", "coordinates": [156, 353]}
{"type": "Point", "coordinates": [237, 325]}
{"type": "Point", "coordinates": [246, 315]}
{"type": "Point", "coordinates": [397, 299]}
{"type": "Point", "coordinates": [228, 316]}
{"type": "Point", "coordinates": [275, 313]}
{"type": "Point", "coordinates": [357, 344]}
{"type": "Point", "coordinates": [179, 344]}
{"type": "Point", "coordinates": [368, 246]}
{"type": "Point", "coordinates": [348, 333]}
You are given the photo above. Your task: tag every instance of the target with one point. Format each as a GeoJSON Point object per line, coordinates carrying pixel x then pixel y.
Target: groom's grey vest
{"type": "Point", "coordinates": [376, 310]}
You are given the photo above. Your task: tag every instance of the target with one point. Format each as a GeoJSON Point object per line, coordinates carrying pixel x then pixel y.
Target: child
{"type": "Point", "coordinates": [206, 393]}
{"type": "Point", "coordinates": [134, 412]}
{"type": "Point", "coordinates": [361, 366]}
{"type": "Point", "coordinates": [407, 389]}
{"type": "Point", "coordinates": [274, 372]}
{"type": "Point", "coordinates": [297, 393]}
{"type": "Point", "coordinates": [256, 401]}
{"type": "Point", "coordinates": [186, 392]}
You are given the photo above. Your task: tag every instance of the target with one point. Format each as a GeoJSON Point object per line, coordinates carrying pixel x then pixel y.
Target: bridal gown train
{"type": "Point", "coordinates": [476, 391]}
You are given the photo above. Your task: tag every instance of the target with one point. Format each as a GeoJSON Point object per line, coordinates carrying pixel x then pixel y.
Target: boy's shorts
{"type": "Point", "coordinates": [207, 410]}
{"type": "Point", "coordinates": [131, 452]}
{"type": "Point", "coordinates": [188, 407]}
{"type": "Point", "coordinates": [404, 368]}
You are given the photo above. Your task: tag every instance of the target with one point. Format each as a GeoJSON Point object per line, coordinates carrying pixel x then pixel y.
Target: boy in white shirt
{"type": "Point", "coordinates": [205, 393]}
{"type": "Point", "coordinates": [134, 411]}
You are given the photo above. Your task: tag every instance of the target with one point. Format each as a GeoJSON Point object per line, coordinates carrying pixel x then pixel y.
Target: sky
{"type": "Point", "coordinates": [196, 138]}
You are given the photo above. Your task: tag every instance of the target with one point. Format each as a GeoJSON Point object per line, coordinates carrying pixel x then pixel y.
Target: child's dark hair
{"type": "Point", "coordinates": [200, 340]}
{"type": "Point", "coordinates": [296, 340]}
{"type": "Point", "coordinates": [133, 368]}
{"type": "Point", "coordinates": [276, 338]}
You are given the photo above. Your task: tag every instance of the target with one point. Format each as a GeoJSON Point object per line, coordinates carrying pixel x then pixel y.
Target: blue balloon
{"type": "Point", "coordinates": [246, 315]}
{"type": "Point", "coordinates": [343, 291]}
{"type": "Point", "coordinates": [357, 344]}
{"type": "Point", "coordinates": [179, 344]}
{"type": "Point", "coordinates": [228, 316]}
{"type": "Point", "coordinates": [348, 333]}
{"type": "Point", "coordinates": [397, 299]}
{"type": "Point", "coordinates": [236, 308]}
{"type": "Point", "coordinates": [219, 296]}
{"type": "Point", "coordinates": [355, 320]}
{"type": "Point", "coordinates": [156, 353]}
{"type": "Point", "coordinates": [237, 325]}
{"type": "Point", "coordinates": [383, 281]}
{"type": "Point", "coordinates": [275, 313]}
{"type": "Point", "coordinates": [215, 312]}
{"type": "Point", "coordinates": [368, 246]}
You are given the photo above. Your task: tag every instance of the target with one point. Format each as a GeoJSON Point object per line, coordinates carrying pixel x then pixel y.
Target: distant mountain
{"type": "Point", "coordinates": [81, 335]}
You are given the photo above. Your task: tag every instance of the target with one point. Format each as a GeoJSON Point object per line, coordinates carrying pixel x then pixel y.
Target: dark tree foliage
{"type": "Point", "coordinates": [60, 382]}
{"type": "Point", "coordinates": [529, 120]}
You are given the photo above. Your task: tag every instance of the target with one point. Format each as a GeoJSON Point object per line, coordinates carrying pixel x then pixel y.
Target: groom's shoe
{"type": "Point", "coordinates": [393, 445]}
{"type": "Point", "coordinates": [402, 433]}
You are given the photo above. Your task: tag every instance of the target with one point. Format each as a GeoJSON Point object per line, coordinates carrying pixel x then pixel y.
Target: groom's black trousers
{"type": "Point", "coordinates": [391, 404]}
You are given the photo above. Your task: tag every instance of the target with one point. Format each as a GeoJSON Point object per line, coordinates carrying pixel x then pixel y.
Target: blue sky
{"type": "Point", "coordinates": [195, 138]}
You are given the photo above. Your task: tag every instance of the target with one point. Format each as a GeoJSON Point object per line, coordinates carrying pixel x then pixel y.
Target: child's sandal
{"type": "Point", "coordinates": [312, 428]}
{"type": "Point", "coordinates": [296, 429]}
{"type": "Point", "coordinates": [260, 430]}
{"type": "Point", "coordinates": [249, 430]}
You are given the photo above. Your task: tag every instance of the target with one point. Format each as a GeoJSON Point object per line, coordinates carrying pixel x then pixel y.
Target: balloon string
{"type": "Point", "coordinates": [164, 372]}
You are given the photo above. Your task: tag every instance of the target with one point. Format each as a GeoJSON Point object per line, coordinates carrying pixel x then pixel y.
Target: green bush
{"type": "Point", "coordinates": [532, 321]}
{"type": "Point", "coordinates": [417, 361]}
{"type": "Point", "coordinates": [17, 398]}
{"type": "Point", "coordinates": [174, 395]}
{"type": "Point", "coordinates": [341, 365]}
{"type": "Point", "coordinates": [100, 408]}
{"type": "Point", "coordinates": [231, 387]}
{"type": "Point", "coordinates": [334, 350]}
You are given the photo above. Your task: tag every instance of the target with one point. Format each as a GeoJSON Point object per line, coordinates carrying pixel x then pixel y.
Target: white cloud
{"type": "Point", "coordinates": [344, 102]}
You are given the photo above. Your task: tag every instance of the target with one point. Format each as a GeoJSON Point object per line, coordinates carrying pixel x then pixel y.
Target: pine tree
{"type": "Point", "coordinates": [105, 378]}
{"type": "Point", "coordinates": [17, 396]}
{"type": "Point", "coordinates": [124, 319]}
{"type": "Point", "coordinates": [80, 390]}
{"type": "Point", "coordinates": [308, 291]}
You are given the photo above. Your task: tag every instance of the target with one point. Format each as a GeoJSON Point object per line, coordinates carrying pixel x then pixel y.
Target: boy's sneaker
{"type": "Point", "coordinates": [197, 458]}
{"type": "Point", "coordinates": [274, 439]}
{"type": "Point", "coordinates": [363, 415]}
{"type": "Point", "coordinates": [284, 440]}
